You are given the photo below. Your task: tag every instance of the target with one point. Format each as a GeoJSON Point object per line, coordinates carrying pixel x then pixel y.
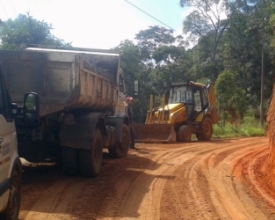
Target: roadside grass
{"type": "Point", "coordinates": [249, 127]}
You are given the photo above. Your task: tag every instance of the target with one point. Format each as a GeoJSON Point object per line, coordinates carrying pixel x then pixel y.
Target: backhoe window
{"type": "Point", "coordinates": [181, 94]}
{"type": "Point", "coordinates": [205, 98]}
{"type": "Point", "coordinates": [197, 98]}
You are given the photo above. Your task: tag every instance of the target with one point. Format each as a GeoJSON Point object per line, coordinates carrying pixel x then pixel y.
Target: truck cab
{"type": "Point", "coordinates": [121, 104]}
{"type": "Point", "coordinates": [10, 165]}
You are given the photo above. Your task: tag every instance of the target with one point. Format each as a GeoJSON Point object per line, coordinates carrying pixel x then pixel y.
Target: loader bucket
{"type": "Point", "coordinates": [155, 133]}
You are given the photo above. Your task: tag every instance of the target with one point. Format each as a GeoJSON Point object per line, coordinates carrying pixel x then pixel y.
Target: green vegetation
{"type": "Point", "coordinates": [249, 127]}
{"type": "Point", "coordinates": [25, 30]}
{"type": "Point", "coordinates": [232, 45]}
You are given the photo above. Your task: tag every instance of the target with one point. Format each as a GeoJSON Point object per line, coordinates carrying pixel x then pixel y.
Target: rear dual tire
{"type": "Point", "coordinates": [70, 161]}
{"type": "Point", "coordinates": [91, 160]}
{"type": "Point", "coordinates": [120, 150]}
{"type": "Point", "coordinates": [87, 162]}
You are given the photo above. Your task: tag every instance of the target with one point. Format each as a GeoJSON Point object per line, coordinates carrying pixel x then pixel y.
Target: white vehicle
{"type": "Point", "coordinates": [10, 165]}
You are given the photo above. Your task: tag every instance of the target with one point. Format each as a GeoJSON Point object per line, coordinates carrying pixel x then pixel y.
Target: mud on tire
{"type": "Point", "coordinates": [11, 212]}
{"type": "Point", "coordinates": [206, 130]}
{"type": "Point", "coordinates": [90, 160]}
{"type": "Point", "coordinates": [121, 149]}
{"type": "Point", "coordinates": [70, 161]}
{"type": "Point", "coordinates": [184, 134]}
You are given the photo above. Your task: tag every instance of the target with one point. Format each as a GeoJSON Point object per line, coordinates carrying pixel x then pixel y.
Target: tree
{"type": "Point", "coordinates": [25, 30]}
{"type": "Point", "coordinates": [133, 69]}
{"type": "Point", "coordinates": [230, 98]}
{"type": "Point", "coordinates": [244, 42]}
{"type": "Point", "coordinates": [163, 60]}
{"type": "Point", "coordinates": [150, 39]}
{"type": "Point", "coordinates": [209, 16]}
{"type": "Point", "coordinates": [168, 54]}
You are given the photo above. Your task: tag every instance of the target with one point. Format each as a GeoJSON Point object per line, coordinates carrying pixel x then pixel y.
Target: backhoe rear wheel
{"type": "Point", "coordinates": [206, 130]}
{"type": "Point", "coordinates": [90, 160]}
{"type": "Point", "coordinates": [184, 134]}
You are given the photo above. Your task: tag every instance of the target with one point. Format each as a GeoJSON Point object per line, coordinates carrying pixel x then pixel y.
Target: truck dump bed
{"type": "Point", "coordinates": [64, 79]}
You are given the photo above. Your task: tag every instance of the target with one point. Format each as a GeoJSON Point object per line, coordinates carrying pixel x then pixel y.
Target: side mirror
{"type": "Point", "coordinates": [31, 108]}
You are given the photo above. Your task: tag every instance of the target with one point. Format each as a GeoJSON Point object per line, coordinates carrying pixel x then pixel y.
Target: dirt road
{"type": "Point", "coordinates": [220, 179]}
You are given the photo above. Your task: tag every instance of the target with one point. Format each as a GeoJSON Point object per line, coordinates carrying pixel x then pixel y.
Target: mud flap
{"type": "Point", "coordinates": [154, 133]}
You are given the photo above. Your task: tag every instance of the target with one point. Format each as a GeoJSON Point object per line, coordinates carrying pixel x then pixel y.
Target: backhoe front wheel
{"type": "Point", "coordinates": [206, 130]}
{"type": "Point", "coordinates": [184, 134]}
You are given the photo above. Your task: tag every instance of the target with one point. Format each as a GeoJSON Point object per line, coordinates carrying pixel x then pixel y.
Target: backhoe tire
{"type": "Point", "coordinates": [184, 134]}
{"type": "Point", "coordinates": [90, 160]}
{"type": "Point", "coordinates": [120, 150]}
{"type": "Point", "coordinates": [206, 130]}
{"type": "Point", "coordinates": [70, 161]}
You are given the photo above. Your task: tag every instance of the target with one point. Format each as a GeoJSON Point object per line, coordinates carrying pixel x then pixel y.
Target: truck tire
{"type": "Point", "coordinates": [206, 130]}
{"type": "Point", "coordinates": [11, 212]}
{"type": "Point", "coordinates": [184, 134]}
{"type": "Point", "coordinates": [90, 161]}
{"type": "Point", "coordinates": [121, 149]}
{"type": "Point", "coordinates": [70, 161]}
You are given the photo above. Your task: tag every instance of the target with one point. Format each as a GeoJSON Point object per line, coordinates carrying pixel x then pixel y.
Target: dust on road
{"type": "Point", "coordinates": [219, 179]}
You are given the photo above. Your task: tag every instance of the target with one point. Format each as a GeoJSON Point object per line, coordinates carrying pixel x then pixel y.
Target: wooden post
{"type": "Point", "coordinates": [262, 92]}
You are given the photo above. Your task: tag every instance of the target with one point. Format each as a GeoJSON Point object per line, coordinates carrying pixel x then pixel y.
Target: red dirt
{"type": "Point", "coordinates": [268, 169]}
{"type": "Point", "coordinates": [219, 179]}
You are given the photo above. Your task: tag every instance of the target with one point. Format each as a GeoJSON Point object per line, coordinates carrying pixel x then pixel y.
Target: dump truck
{"type": "Point", "coordinates": [70, 105]}
{"type": "Point", "coordinates": [188, 108]}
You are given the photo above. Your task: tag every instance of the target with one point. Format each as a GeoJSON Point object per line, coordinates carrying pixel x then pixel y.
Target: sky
{"type": "Point", "coordinates": [98, 23]}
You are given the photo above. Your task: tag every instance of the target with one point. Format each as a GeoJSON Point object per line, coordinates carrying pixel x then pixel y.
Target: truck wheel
{"type": "Point", "coordinates": [184, 134]}
{"type": "Point", "coordinates": [12, 210]}
{"type": "Point", "coordinates": [121, 149]}
{"type": "Point", "coordinates": [91, 160]}
{"type": "Point", "coordinates": [70, 161]}
{"type": "Point", "coordinates": [206, 130]}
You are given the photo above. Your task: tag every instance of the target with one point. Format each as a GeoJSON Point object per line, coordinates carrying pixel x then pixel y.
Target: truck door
{"type": "Point", "coordinates": [121, 105]}
{"type": "Point", "coordinates": [7, 140]}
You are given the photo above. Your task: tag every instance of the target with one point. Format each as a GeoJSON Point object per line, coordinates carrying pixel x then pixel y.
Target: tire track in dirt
{"type": "Point", "coordinates": [253, 179]}
{"type": "Point", "coordinates": [198, 180]}
{"type": "Point", "coordinates": [154, 178]}
{"type": "Point", "coordinates": [55, 202]}
{"type": "Point", "coordinates": [169, 163]}
{"type": "Point", "coordinates": [142, 199]}
{"type": "Point", "coordinates": [212, 192]}
{"type": "Point", "coordinates": [231, 191]}
{"type": "Point", "coordinates": [247, 168]}
{"type": "Point", "coordinates": [183, 189]}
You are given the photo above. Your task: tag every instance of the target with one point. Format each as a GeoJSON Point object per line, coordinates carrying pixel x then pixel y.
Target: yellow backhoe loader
{"type": "Point", "coordinates": [190, 108]}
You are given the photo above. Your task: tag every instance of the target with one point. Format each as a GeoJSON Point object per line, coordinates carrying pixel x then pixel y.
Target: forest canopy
{"type": "Point", "coordinates": [233, 46]}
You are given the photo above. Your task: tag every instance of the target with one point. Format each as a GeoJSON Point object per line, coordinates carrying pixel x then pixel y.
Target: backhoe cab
{"type": "Point", "coordinates": [190, 108]}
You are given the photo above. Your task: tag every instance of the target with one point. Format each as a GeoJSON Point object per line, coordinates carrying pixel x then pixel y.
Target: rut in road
{"type": "Point", "coordinates": [197, 180]}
